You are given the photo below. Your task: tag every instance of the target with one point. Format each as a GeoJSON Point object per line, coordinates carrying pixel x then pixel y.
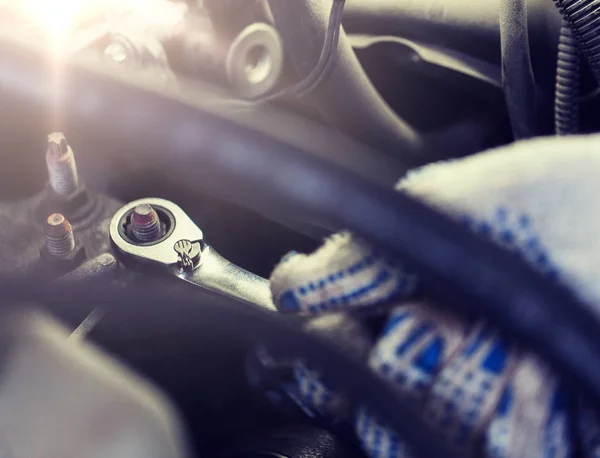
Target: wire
{"type": "Point", "coordinates": [517, 72]}
{"type": "Point", "coordinates": [326, 59]}
{"type": "Point", "coordinates": [320, 71]}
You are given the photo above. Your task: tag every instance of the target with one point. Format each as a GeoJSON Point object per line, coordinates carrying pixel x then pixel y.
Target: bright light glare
{"type": "Point", "coordinates": [55, 22]}
{"type": "Point", "coordinates": [59, 17]}
{"type": "Point", "coordinates": [56, 17]}
{"type": "Point", "coordinates": [57, 25]}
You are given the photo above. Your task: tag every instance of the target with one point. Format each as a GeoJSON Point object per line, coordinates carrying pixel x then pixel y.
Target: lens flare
{"type": "Point", "coordinates": [60, 26]}
{"type": "Point", "coordinates": [56, 17]}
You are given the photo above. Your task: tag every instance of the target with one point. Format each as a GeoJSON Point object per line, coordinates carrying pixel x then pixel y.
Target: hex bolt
{"type": "Point", "coordinates": [145, 224]}
{"type": "Point", "coordinates": [60, 240]}
{"type": "Point", "coordinates": [62, 169]}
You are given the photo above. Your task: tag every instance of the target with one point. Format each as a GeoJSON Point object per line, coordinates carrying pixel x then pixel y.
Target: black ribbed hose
{"type": "Point", "coordinates": [584, 18]}
{"type": "Point", "coordinates": [566, 109]}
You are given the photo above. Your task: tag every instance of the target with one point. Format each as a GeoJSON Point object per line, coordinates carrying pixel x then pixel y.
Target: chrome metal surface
{"type": "Point", "coordinates": [218, 274]}
{"type": "Point", "coordinates": [183, 253]}
{"type": "Point", "coordinates": [162, 252]}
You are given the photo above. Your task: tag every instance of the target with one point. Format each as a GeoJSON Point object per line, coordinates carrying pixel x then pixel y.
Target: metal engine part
{"type": "Point", "coordinates": [254, 61]}
{"type": "Point", "coordinates": [22, 228]}
{"type": "Point", "coordinates": [251, 60]}
{"type": "Point", "coordinates": [179, 249]}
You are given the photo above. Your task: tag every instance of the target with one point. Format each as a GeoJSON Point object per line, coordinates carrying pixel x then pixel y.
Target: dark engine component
{"type": "Point", "coordinates": [581, 16]}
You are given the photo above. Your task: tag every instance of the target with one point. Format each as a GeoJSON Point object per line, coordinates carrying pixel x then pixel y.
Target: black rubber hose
{"type": "Point", "coordinates": [584, 18]}
{"type": "Point", "coordinates": [517, 72]}
{"type": "Point", "coordinates": [345, 96]}
{"type": "Point", "coordinates": [137, 314]}
{"type": "Point", "coordinates": [566, 105]}
{"type": "Point", "coordinates": [161, 127]}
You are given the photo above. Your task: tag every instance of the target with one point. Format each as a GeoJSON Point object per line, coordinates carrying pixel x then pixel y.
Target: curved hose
{"type": "Point", "coordinates": [566, 109]}
{"type": "Point", "coordinates": [140, 314]}
{"type": "Point", "coordinates": [345, 96]}
{"type": "Point", "coordinates": [583, 17]}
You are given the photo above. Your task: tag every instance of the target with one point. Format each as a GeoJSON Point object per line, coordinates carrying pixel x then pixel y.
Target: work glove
{"type": "Point", "coordinates": [538, 199]}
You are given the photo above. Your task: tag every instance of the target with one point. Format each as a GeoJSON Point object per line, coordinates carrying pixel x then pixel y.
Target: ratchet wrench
{"type": "Point", "coordinates": [181, 251]}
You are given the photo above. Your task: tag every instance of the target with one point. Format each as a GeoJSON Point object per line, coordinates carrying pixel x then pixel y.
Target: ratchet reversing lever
{"type": "Point", "coordinates": [156, 232]}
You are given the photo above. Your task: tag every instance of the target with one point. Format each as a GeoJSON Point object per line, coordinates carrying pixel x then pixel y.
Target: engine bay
{"type": "Point", "coordinates": [161, 158]}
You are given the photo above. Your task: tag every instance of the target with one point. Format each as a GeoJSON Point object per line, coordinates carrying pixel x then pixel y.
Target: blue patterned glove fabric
{"type": "Point", "coordinates": [537, 199]}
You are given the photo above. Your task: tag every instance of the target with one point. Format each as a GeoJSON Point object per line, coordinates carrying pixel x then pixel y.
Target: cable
{"type": "Point", "coordinates": [326, 58]}
{"type": "Point", "coordinates": [566, 105]}
{"type": "Point", "coordinates": [517, 73]}
{"type": "Point", "coordinates": [582, 16]}
{"type": "Point", "coordinates": [344, 95]}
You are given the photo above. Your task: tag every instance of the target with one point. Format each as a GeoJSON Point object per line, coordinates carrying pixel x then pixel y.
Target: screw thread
{"type": "Point", "coordinates": [145, 224]}
{"type": "Point", "coordinates": [62, 169]}
{"type": "Point", "coordinates": [60, 246]}
{"type": "Point", "coordinates": [60, 240]}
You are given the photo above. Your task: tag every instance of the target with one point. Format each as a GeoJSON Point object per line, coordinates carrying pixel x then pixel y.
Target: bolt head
{"type": "Point", "coordinates": [106, 260]}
